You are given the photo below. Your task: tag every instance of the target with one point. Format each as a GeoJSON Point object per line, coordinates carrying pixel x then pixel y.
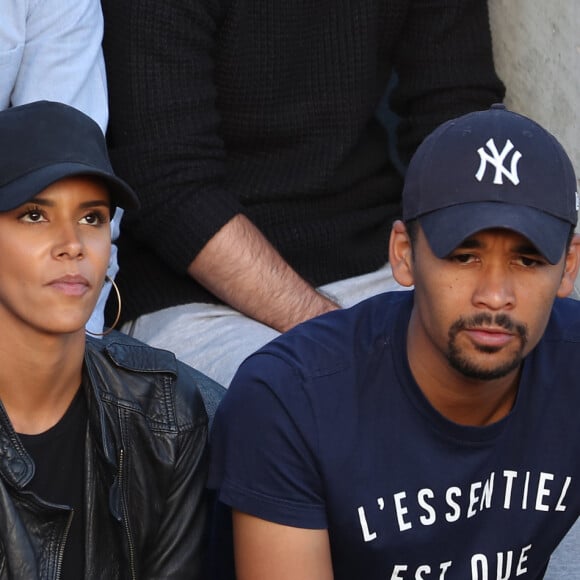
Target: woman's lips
{"type": "Point", "coordinates": [71, 285]}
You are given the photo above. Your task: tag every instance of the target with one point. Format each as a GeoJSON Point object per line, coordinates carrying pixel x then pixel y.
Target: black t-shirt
{"type": "Point", "coordinates": [58, 455]}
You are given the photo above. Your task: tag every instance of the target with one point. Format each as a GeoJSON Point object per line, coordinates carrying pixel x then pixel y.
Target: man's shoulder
{"type": "Point", "coordinates": [340, 339]}
{"type": "Point", "coordinates": [564, 323]}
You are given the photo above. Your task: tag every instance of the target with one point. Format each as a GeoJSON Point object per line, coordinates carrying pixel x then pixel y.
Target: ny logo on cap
{"type": "Point", "coordinates": [497, 160]}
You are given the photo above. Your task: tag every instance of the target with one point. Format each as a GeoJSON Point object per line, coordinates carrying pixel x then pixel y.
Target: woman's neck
{"type": "Point", "coordinates": [39, 377]}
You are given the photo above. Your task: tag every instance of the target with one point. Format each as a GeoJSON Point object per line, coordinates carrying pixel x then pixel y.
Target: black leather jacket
{"type": "Point", "coordinates": [145, 474]}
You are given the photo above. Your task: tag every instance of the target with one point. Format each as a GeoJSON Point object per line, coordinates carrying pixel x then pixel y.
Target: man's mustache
{"type": "Point", "coordinates": [483, 319]}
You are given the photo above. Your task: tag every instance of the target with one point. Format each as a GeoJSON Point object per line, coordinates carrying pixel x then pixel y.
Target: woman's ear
{"type": "Point", "coordinates": [571, 264]}
{"type": "Point", "coordinates": [401, 254]}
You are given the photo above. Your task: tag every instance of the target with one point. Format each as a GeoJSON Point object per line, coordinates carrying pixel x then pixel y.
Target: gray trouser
{"type": "Point", "coordinates": [215, 339]}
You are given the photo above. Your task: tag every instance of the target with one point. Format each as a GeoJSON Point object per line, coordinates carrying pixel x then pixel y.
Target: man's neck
{"type": "Point", "coordinates": [459, 398]}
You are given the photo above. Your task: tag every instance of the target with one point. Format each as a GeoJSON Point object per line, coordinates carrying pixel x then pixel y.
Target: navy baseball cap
{"type": "Point", "coordinates": [492, 169]}
{"type": "Point", "coordinates": [45, 141]}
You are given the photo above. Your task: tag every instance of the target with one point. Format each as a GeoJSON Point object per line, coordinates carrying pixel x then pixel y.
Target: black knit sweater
{"type": "Point", "coordinates": [269, 109]}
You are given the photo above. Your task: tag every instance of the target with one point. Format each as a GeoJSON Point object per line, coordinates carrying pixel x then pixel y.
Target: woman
{"type": "Point", "coordinates": [102, 443]}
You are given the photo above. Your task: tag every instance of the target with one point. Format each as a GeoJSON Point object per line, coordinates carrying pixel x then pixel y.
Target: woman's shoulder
{"type": "Point", "coordinates": [150, 379]}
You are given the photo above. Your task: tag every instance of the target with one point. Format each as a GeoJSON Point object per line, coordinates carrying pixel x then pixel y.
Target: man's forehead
{"type": "Point", "coordinates": [484, 237]}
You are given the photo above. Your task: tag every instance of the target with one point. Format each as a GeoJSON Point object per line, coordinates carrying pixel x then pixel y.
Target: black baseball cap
{"type": "Point", "coordinates": [492, 169]}
{"type": "Point", "coordinates": [43, 142]}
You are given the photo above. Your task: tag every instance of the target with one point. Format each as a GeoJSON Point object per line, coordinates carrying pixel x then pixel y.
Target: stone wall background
{"type": "Point", "coordinates": [537, 55]}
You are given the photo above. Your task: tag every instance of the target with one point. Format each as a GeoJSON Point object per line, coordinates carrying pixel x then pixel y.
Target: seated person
{"type": "Point", "coordinates": [104, 460]}
{"type": "Point", "coordinates": [430, 433]}
{"type": "Point", "coordinates": [52, 50]}
{"type": "Point", "coordinates": [251, 132]}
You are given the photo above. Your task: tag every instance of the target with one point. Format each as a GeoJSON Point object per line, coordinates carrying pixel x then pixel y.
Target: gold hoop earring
{"type": "Point", "coordinates": [112, 327]}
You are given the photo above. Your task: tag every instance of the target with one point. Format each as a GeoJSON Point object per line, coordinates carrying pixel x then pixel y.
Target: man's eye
{"type": "Point", "coordinates": [529, 262]}
{"type": "Point", "coordinates": [463, 258]}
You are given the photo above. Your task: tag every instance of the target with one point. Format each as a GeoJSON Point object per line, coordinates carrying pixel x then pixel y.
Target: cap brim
{"type": "Point", "coordinates": [24, 188]}
{"type": "Point", "coordinates": [446, 228]}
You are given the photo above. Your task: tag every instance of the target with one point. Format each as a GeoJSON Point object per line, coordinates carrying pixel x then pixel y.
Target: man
{"type": "Point", "coordinates": [432, 433]}
{"type": "Point", "coordinates": [250, 132]}
{"type": "Point", "coordinates": [52, 50]}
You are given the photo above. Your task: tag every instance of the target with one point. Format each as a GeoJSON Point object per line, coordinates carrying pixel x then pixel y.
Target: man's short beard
{"type": "Point", "coordinates": [469, 368]}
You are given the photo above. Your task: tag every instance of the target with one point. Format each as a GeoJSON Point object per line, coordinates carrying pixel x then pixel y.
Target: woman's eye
{"type": "Point", "coordinates": [33, 216]}
{"type": "Point", "coordinates": [94, 219]}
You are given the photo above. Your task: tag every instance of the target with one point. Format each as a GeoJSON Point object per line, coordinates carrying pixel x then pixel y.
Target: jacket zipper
{"type": "Point", "coordinates": [126, 515]}
{"type": "Point", "coordinates": [63, 544]}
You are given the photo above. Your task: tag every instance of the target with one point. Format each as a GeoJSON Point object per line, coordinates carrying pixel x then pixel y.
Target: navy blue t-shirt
{"type": "Point", "coordinates": [325, 428]}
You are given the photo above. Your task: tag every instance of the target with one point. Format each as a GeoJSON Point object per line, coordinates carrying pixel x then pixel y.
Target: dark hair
{"type": "Point", "coordinates": [570, 236]}
{"type": "Point", "coordinates": [413, 232]}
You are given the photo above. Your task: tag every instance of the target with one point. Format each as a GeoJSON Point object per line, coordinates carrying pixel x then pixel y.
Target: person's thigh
{"type": "Point", "coordinates": [351, 291]}
{"type": "Point", "coordinates": [212, 338]}
{"type": "Point", "coordinates": [565, 561]}
{"type": "Point", "coordinates": [215, 339]}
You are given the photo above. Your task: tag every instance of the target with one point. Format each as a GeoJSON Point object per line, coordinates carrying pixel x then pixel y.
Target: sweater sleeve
{"type": "Point", "coordinates": [444, 64]}
{"type": "Point", "coordinates": [164, 125]}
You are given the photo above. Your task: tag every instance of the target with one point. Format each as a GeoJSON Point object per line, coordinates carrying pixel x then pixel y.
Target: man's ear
{"type": "Point", "coordinates": [401, 254]}
{"type": "Point", "coordinates": [571, 264]}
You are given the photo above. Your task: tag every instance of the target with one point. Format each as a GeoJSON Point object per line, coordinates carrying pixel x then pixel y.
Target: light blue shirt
{"type": "Point", "coordinates": [51, 50]}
